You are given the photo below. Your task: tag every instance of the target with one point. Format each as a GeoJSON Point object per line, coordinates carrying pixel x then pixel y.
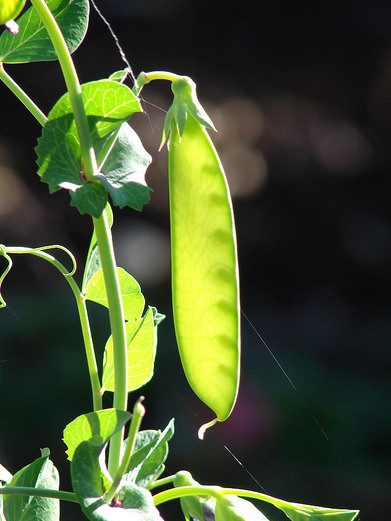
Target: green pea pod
{"type": "Point", "coordinates": [9, 9]}
{"type": "Point", "coordinates": [201, 508]}
{"type": "Point", "coordinates": [205, 280]}
{"type": "Point", "coordinates": [233, 508]}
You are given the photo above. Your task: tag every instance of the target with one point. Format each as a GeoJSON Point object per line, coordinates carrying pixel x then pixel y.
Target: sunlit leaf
{"type": "Point", "coordinates": [32, 43]}
{"type": "Point", "coordinates": [132, 298]}
{"type": "Point", "coordinates": [40, 474]}
{"type": "Point", "coordinates": [150, 453]}
{"type": "Point", "coordinates": [298, 512]}
{"type": "Point", "coordinates": [102, 423]}
{"type": "Point", "coordinates": [141, 337]}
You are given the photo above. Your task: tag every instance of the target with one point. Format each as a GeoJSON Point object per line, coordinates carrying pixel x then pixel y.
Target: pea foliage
{"type": "Point", "coordinates": [88, 148]}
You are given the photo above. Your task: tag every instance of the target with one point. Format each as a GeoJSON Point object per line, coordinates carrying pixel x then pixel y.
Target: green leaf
{"type": "Point", "coordinates": [93, 262]}
{"type": "Point", "coordinates": [132, 504]}
{"type": "Point", "coordinates": [123, 172]}
{"type": "Point", "coordinates": [108, 105]}
{"type": "Point", "coordinates": [132, 298]}
{"type": "Point", "coordinates": [150, 453]}
{"type": "Point", "coordinates": [141, 337]}
{"type": "Point", "coordinates": [233, 508]}
{"type": "Point", "coordinates": [103, 423]}
{"type": "Point", "coordinates": [40, 474]}
{"type": "Point", "coordinates": [298, 512]}
{"type": "Point", "coordinates": [32, 42]}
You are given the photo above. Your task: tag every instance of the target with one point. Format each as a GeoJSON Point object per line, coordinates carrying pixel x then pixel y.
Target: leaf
{"type": "Point", "coordinates": [298, 512]}
{"type": "Point", "coordinates": [150, 453]}
{"type": "Point", "coordinates": [40, 474]}
{"type": "Point", "coordinates": [123, 172]}
{"type": "Point", "coordinates": [108, 105]}
{"type": "Point", "coordinates": [141, 337]}
{"type": "Point", "coordinates": [103, 423]}
{"type": "Point", "coordinates": [133, 503]}
{"type": "Point", "coordinates": [132, 298]}
{"type": "Point", "coordinates": [32, 42]}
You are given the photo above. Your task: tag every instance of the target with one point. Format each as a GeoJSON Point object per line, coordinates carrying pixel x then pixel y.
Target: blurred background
{"type": "Point", "coordinates": [301, 96]}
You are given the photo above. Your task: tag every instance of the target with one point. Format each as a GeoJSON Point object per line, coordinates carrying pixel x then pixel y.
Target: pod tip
{"type": "Point", "coordinates": [202, 429]}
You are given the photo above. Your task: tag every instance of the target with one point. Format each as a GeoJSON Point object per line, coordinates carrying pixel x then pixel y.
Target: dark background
{"type": "Point", "coordinates": [301, 96]}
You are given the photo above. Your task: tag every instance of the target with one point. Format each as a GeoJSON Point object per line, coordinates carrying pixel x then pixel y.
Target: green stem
{"type": "Point", "coordinates": [117, 325]}
{"type": "Point", "coordinates": [178, 492]}
{"type": "Point", "coordinates": [162, 482]}
{"type": "Point", "coordinates": [219, 492]}
{"type": "Point", "coordinates": [41, 492]}
{"type": "Point", "coordinates": [73, 86]}
{"type": "Point", "coordinates": [146, 77]}
{"type": "Point", "coordinates": [81, 306]}
{"type": "Point", "coordinates": [138, 415]}
{"type": "Point", "coordinates": [215, 492]}
{"type": "Point", "coordinates": [102, 230]}
{"type": "Point", "coordinates": [22, 96]}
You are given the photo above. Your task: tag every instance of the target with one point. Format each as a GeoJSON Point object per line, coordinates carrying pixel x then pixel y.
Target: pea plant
{"type": "Point", "coordinates": [88, 148]}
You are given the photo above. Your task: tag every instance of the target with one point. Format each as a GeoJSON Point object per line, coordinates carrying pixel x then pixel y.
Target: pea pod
{"type": "Point", "coordinates": [9, 9]}
{"type": "Point", "coordinates": [233, 508]}
{"type": "Point", "coordinates": [205, 282]}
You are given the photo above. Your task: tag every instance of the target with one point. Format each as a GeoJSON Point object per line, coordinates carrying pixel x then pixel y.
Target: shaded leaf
{"type": "Point", "coordinates": [141, 338]}
{"type": "Point", "coordinates": [32, 42]}
{"type": "Point", "coordinates": [132, 298]}
{"type": "Point", "coordinates": [41, 473]}
{"type": "Point", "coordinates": [150, 453]}
{"type": "Point", "coordinates": [103, 423]}
{"type": "Point", "coordinates": [123, 172]}
{"type": "Point", "coordinates": [108, 105]}
{"type": "Point", "coordinates": [132, 504]}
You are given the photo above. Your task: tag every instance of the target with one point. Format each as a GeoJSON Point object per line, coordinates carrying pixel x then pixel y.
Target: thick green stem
{"type": "Point", "coordinates": [73, 86]}
{"type": "Point", "coordinates": [41, 492]}
{"type": "Point", "coordinates": [22, 96]}
{"type": "Point", "coordinates": [102, 230]}
{"type": "Point", "coordinates": [117, 325]}
{"type": "Point", "coordinates": [138, 415]}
